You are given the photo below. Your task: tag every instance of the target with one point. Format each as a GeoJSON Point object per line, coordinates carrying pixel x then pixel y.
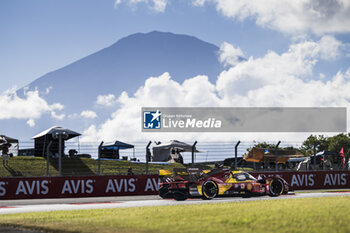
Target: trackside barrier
{"type": "Point", "coordinates": [98, 186]}
{"type": "Point", "coordinates": [313, 179]}
{"type": "Point", "coordinates": [83, 186]}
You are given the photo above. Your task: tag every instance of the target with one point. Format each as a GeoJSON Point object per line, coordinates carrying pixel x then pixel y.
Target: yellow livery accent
{"type": "Point", "coordinates": [235, 172]}
{"type": "Point", "coordinates": [164, 172]}
{"type": "Point", "coordinates": [230, 179]}
{"type": "Point", "coordinates": [224, 188]}
{"type": "Point", "coordinates": [199, 187]}
{"type": "Point", "coordinates": [182, 173]}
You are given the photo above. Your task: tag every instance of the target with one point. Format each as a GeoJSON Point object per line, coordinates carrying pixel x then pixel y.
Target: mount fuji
{"type": "Point", "coordinates": [123, 66]}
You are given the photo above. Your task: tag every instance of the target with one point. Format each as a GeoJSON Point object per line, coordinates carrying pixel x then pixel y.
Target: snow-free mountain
{"type": "Point", "coordinates": [123, 66]}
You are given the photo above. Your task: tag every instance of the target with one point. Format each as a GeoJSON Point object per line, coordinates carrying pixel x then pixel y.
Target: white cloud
{"type": "Point", "coordinates": [56, 116]}
{"type": "Point", "coordinates": [282, 80]}
{"type": "Point", "coordinates": [198, 2]}
{"type": "Point", "coordinates": [84, 114]}
{"type": "Point", "coordinates": [157, 91]}
{"type": "Point", "coordinates": [317, 16]}
{"type": "Point", "coordinates": [106, 100]}
{"type": "Point", "coordinates": [47, 90]}
{"type": "Point", "coordinates": [31, 122]}
{"type": "Point", "coordinates": [274, 69]}
{"type": "Point", "coordinates": [31, 107]}
{"type": "Point", "coordinates": [291, 17]}
{"type": "Point", "coordinates": [229, 55]}
{"type": "Point", "coordinates": [73, 116]}
{"type": "Point", "coordinates": [159, 5]}
{"type": "Point", "coordinates": [155, 5]}
{"type": "Point", "coordinates": [88, 114]}
{"type": "Point", "coordinates": [91, 134]}
{"type": "Point", "coordinates": [330, 47]}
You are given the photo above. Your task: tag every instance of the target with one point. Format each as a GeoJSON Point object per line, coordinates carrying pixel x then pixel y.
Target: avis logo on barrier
{"type": "Point", "coordinates": [152, 119]}
{"type": "Point", "coordinates": [2, 188]}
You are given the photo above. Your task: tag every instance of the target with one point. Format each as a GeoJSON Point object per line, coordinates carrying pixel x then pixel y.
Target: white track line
{"type": "Point", "coordinates": [145, 203]}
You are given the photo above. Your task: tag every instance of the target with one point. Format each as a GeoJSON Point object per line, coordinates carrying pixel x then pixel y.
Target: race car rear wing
{"type": "Point", "coordinates": [191, 173]}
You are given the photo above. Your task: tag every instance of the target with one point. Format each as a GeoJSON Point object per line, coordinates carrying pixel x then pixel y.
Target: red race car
{"type": "Point", "coordinates": [208, 184]}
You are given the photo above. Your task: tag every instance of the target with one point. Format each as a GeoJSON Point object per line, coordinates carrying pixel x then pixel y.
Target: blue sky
{"type": "Point", "coordinates": [39, 36]}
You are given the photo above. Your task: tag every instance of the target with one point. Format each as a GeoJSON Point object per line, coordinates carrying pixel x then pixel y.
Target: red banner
{"type": "Point", "coordinates": [98, 186]}
{"type": "Point", "coordinates": [86, 186]}
{"type": "Point", "coordinates": [313, 179]}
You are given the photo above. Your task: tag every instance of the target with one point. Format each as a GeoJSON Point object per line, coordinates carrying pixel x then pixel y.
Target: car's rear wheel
{"type": "Point", "coordinates": [209, 189]}
{"type": "Point", "coordinates": [164, 191]}
{"type": "Point", "coordinates": [276, 187]}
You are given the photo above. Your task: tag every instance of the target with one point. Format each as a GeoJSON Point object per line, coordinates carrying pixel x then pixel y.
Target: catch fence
{"type": "Point", "coordinates": [133, 161]}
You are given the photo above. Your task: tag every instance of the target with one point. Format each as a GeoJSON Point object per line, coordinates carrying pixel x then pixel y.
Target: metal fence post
{"type": "Point", "coordinates": [323, 164]}
{"type": "Point", "coordinates": [99, 159]}
{"type": "Point", "coordinates": [61, 135]}
{"type": "Point", "coordinates": [48, 160]}
{"type": "Point", "coordinates": [47, 166]}
{"type": "Point", "coordinates": [276, 161]}
{"type": "Point", "coordinates": [60, 154]}
{"type": "Point", "coordinates": [236, 154]}
{"type": "Point", "coordinates": [193, 148]}
{"type": "Point", "coordinates": [147, 155]}
{"type": "Point", "coordinates": [314, 160]}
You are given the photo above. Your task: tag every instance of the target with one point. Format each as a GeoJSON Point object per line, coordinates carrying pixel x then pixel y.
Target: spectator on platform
{"type": "Point", "coordinates": [130, 172]}
{"type": "Point", "coordinates": [5, 154]}
{"type": "Point", "coordinates": [72, 153]}
{"type": "Point", "coordinates": [148, 155]}
{"type": "Point", "coordinates": [180, 159]}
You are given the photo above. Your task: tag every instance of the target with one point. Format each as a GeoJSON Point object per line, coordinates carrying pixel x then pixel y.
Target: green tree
{"type": "Point", "coordinates": [265, 145]}
{"type": "Point", "coordinates": [334, 143]}
{"type": "Point", "coordinates": [320, 141]}
{"type": "Point", "coordinates": [339, 141]}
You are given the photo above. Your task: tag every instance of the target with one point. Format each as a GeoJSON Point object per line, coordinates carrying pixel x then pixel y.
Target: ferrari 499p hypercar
{"type": "Point", "coordinates": [193, 182]}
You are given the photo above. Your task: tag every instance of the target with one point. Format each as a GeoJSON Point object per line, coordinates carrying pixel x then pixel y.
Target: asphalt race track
{"type": "Point", "coordinates": [38, 205]}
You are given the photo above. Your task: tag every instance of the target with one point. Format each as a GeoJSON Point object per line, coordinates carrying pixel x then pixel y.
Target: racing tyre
{"type": "Point", "coordinates": [179, 196]}
{"type": "Point", "coordinates": [285, 189]}
{"type": "Point", "coordinates": [164, 192]}
{"type": "Point", "coordinates": [209, 190]}
{"type": "Point", "coordinates": [276, 187]}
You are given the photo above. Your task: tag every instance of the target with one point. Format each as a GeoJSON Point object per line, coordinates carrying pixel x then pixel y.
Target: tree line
{"type": "Point", "coordinates": [317, 143]}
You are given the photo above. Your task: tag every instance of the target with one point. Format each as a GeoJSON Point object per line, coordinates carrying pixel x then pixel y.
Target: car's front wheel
{"type": "Point", "coordinates": [209, 189]}
{"type": "Point", "coordinates": [276, 187]}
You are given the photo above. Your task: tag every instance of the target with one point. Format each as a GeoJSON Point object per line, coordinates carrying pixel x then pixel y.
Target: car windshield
{"type": "Point", "coordinates": [243, 176]}
{"type": "Point", "coordinates": [250, 177]}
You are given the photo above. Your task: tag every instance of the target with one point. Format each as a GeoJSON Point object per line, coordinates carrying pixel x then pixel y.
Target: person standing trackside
{"type": "Point", "coordinates": [5, 154]}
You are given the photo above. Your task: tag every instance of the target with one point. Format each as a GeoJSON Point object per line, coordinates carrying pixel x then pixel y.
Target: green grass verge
{"type": "Point", "coordinates": [288, 215]}
{"type": "Point", "coordinates": [36, 166]}
{"type": "Point", "coordinates": [323, 191]}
